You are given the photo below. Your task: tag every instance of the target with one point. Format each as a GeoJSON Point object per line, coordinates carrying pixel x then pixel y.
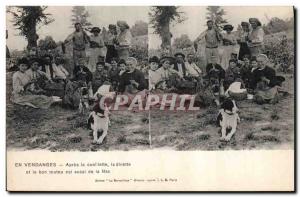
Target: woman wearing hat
{"type": "Point", "coordinates": [123, 41]}
{"type": "Point", "coordinates": [23, 81]}
{"type": "Point", "coordinates": [109, 40]}
{"type": "Point", "coordinates": [256, 37]}
{"type": "Point", "coordinates": [229, 45]}
{"type": "Point", "coordinates": [243, 38]}
{"type": "Point", "coordinates": [97, 48]}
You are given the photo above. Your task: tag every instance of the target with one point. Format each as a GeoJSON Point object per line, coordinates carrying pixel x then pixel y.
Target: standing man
{"type": "Point", "coordinates": [79, 38]}
{"type": "Point", "coordinates": [212, 38]}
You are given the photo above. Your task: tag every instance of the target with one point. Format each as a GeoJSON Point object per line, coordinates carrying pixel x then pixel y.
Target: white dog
{"type": "Point", "coordinates": [228, 118]}
{"type": "Point", "coordinates": [99, 121]}
{"type": "Point", "coordinates": [99, 118]}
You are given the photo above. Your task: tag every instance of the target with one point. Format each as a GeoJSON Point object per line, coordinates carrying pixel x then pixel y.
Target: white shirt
{"type": "Point", "coordinates": [192, 69]}
{"type": "Point", "coordinates": [59, 71]}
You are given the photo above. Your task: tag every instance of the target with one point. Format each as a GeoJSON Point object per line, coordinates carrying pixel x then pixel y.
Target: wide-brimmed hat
{"type": "Point", "coordinates": [255, 20]}
{"type": "Point", "coordinates": [154, 59]}
{"type": "Point", "coordinates": [167, 58]}
{"type": "Point", "coordinates": [245, 24]}
{"type": "Point", "coordinates": [122, 24]}
{"type": "Point", "coordinates": [95, 29]}
{"type": "Point", "coordinates": [228, 27]}
{"type": "Point", "coordinates": [179, 54]}
{"type": "Point", "coordinates": [111, 26]}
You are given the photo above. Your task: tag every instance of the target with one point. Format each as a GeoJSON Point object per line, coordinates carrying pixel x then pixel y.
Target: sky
{"type": "Point", "coordinates": [62, 26]}
{"type": "Point", "coordinates": [102, 16]}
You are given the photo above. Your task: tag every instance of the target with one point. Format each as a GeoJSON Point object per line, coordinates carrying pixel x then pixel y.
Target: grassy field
{"type": "Point", "coordinates": [58, 129]}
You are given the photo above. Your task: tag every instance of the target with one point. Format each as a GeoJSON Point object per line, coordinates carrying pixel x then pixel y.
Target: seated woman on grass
{"type": "Point", "coordinates": [25, 86]}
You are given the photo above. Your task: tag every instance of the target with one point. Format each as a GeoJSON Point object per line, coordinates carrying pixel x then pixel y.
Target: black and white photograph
{"type": "Point", "coordinates": [150, 98]}
{"type": "Point", "coordinates": [234, 64]}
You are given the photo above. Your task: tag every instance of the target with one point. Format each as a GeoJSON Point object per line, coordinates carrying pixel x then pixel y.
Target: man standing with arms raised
{"type": "Point", "coordinates": [79, 38]}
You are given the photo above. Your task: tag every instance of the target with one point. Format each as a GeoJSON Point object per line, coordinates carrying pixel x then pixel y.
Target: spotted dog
{"type": "Point", "coordinates": [227, 119]}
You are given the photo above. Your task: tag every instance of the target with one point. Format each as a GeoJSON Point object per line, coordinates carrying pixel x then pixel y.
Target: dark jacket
{"type": "Point", "coordinates": [267, 72]}
{"type": "Point", "coordinates": [183, 67]}
{"type": "Point", "coordinates": [80, 76]}
{"type": "Point", "coordinates": [135, 75]}
{"type": "Point", "coordinates": [220, 71]}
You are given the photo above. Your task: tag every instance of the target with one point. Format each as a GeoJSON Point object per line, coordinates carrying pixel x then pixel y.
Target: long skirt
{"type": "Point", "coordinates": [123, 52]}
{"type": "Point", "coordinates": [111, 53]}
{"type": "Point", "coordinates": [35, 101]}
{"type": "Point", "coordinates": [95, 53]}
{"type": "Point", "coordinates": [266, 96]}
{"type": "Point", "coordinates": [256, 50]}
{"type": "Point", "coordinates": [244, 49]}
{"type": "Point", "coordinates": [225, 56]}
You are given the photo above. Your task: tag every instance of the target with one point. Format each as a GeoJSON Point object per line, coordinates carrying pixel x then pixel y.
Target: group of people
{"type": "Point", "coordinates": [103, 46]}
{"type": "Point", "coordinates": [239, 72]}
{"type": "Point", "coordinates": [235, 67]}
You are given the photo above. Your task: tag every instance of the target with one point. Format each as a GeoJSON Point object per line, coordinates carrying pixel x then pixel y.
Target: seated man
{"type": "Point", "coordinates": [82, 73]}
{"type": "Point", "coordinates": [100, 76]}
{"type": "Point", "coordinates": [179, 64]}
{"type": "Point", "coordinates": [191, 68]}
{"type": "Point", "coordinates": [266, 82]}
{"type": "Point", "coordinates": [59, 72]}
{"type": "Point", "coordinates": [113, 73]}
{"type": "Point", "coordinates": [38, 77]}
{"type": "Point", "coordinates": [232, 74]}
{"type": "Point", "coordinates": [132, 80]}
{"type": "Point", "coordinates": [246, 69]}
{"type": "Point", "coordinates": [47, 65]}
{"type": "Point", "coordinates": [168, 78]}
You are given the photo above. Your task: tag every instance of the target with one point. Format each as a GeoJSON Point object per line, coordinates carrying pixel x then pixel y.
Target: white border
{"type": "Point", "coordinates": [296, 3]}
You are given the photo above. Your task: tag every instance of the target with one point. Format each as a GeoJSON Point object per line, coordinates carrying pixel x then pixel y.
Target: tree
{"type": "Point", "coordinates": [27, 19]}
{"type": "Point", "coordinates": [182, 42]}
{"type": "Point", "coordinates": [160, 18]}
{"type": "Point", "coordinates": [140, 28]}
{"type": "Point", "coordinates": [80, 15]}
{"type": "Point", "coordinates": [216, 14]}
{"type": "Point", "coordinates": [47, 44]}
{"type": "Point", "coordinates": [276, 25]}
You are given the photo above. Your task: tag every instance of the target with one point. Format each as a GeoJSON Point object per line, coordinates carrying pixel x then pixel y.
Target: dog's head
{"type": "Point", "coordinates": [229, 106]}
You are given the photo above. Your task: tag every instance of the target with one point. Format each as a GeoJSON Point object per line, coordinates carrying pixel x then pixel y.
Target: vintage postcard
{"type": "Point", "coordinates": [150, 98]}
